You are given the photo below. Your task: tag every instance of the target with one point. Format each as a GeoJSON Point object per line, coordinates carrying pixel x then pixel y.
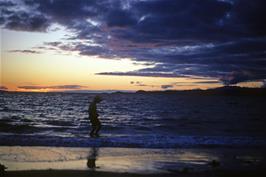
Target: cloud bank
{"type": "Point", "coordinates": [3, 88]}
{"type": "Point", "coordinates": [25, 51]}
{"type": "Point", "coordinates": [224, 40]}
{"type": "Point", "coordinates": [57, 87]}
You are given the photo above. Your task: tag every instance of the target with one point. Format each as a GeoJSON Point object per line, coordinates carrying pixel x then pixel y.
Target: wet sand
{"type": "Point", "coordinates": [62, 161]}
{"type": "Point", "coordinates": [76, 173]}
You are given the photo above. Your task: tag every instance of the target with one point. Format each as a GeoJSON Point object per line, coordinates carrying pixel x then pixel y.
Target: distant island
{"type": "Point", "coordinates": [226, 90]}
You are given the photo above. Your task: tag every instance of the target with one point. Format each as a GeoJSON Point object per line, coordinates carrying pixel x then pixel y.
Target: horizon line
{"type": "Point", "coordinates": [128, 91]}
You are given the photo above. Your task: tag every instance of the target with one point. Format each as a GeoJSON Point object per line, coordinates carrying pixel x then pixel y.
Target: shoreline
{"type": "Point", "coordinates": [58, 161]}
{"type": "Point", "coordinates": [136, 141]}
{"type": "Point", "coordinates": [83, 173]}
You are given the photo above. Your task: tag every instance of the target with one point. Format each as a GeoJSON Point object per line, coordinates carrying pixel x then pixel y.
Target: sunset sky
{"type": "Point", "coordinates": [57, 45]}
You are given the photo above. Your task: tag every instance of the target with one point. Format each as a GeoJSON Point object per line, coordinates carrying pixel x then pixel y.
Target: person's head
{"type": "Point", "coordinates": [97, 99]}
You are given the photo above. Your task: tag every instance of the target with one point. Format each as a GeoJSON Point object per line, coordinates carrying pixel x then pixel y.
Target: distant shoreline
{"type": "Point", "coordinates": [226, 90]}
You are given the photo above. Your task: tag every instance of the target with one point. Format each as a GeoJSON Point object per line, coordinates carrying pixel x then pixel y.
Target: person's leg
{"type": "Point", "coordinates": [92, 133]}
{"type": "Point", "coordinates": [97, 129]}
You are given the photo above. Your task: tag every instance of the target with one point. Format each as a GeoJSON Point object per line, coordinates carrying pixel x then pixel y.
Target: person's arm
{"type": "Point", "coordinates": [96, 112]}
{"type": "Point", "coordinates": [93, 110]}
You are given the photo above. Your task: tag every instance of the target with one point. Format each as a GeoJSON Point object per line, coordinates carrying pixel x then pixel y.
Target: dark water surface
{"type": "Point", "coordinates": [133, 120]}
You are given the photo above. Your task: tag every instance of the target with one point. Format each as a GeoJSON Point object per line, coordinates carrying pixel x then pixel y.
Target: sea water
{"type": "Point", "coordinates": [133, 120]}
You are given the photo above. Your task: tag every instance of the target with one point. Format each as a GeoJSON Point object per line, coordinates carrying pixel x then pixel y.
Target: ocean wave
{"type": "Point", "coordinates": [8, 127]}
{"type": "Point", "coordinates": [137, 141]}
{"type": "Point", "coordinates": [7, 109]}
{"type": "Point", "coordinates": [59, 122]}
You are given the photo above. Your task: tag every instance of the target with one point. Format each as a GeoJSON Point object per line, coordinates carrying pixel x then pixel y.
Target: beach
{"type": "Point", "coordinates": [62, 161]}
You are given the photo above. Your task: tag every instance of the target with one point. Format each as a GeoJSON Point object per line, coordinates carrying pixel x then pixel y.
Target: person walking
{"type": "Point", "coordinates": [93, 117]}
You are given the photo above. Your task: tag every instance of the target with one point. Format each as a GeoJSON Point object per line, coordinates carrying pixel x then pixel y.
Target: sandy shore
{"type": "Point", "coordinates": [62, 161]}
{"type": "Point", "coordinates": [81, 173]}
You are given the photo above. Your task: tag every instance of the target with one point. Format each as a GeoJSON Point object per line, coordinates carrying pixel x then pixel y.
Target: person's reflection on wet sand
{"type": "Point", "coordinates": [92, 157]}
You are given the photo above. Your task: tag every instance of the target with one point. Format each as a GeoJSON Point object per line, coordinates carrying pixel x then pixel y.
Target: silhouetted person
{"type": "Point", "coordinates": [93, 116]}
{"type": "Point", "coordinates": [91, 163]}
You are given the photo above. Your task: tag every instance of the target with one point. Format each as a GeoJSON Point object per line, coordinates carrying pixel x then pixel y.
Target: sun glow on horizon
{"type": "Point", "coordinates": [51, 68]}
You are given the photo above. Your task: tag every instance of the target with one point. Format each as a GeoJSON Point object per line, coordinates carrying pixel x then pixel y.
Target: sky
{"type": "Point", "coordinates": [58, 45]}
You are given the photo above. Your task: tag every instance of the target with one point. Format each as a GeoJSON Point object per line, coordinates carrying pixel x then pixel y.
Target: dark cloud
{"type": "Point", "coordinates": [145, 74]}
{"type": "Point", "coordinates": [120, 18]}
{"type": "Point", "coordinates": [63, 87]}
{"type": "Point", "coordinates": [174, 84]}
{"type": "Point", "coordinates": [54, 44]}
{"type": "Point", "coordinates": [197, 82]}
{"type": "Point", "coordinates": [167, 86]}
{"type": "Point", "coordinates": [207, 82]}
{"type": "Point", "coordinates": [25, 51]}
{"type": "Point", "coordinates": [251, 15]}
{"type": "Point", "coordinates": [66, 12]}
{"type": "Point", "coordinates": [219, 39]}
{"type": "Point", "coordinates": [23, 21]}
{"type": "Point", "coordinates": [141, 84]}
{"type": "Point", "coordinates": [6, 4]}
{"type": "Point", "coordinates": [236, 77]}
{"type": "Point", "coordinates": [3, 88]}
{"type": "Point", "coordinates": [194, 83]}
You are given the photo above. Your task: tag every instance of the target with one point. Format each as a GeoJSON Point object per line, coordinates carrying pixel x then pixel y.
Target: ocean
{"type": "Point", "coordinates": [133, 120]}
